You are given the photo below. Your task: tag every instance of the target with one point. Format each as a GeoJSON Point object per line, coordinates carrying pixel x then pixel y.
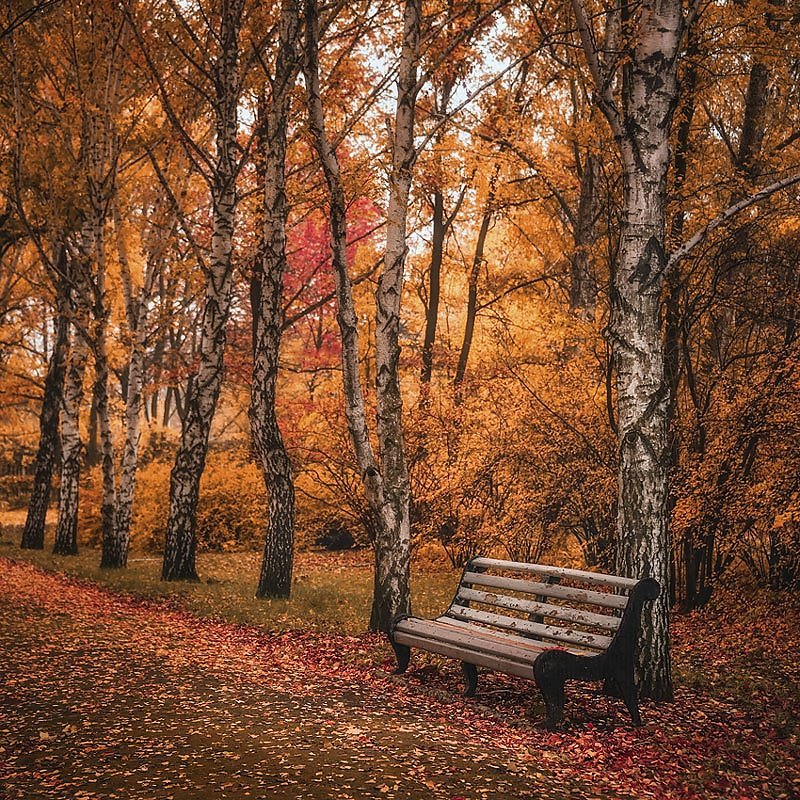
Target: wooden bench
{"type": "Point", "coordinates": [534, 621]}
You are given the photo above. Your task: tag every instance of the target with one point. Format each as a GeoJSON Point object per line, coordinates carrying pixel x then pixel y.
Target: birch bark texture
{"type": "Point", "coordinates": [266, 294]}
{"type": "Point", "coordinates": [204, 387]}
{"type": "Point", "coordinates": [385, 479]}
{"type": "Point", "coordinates": [137, 303]}
{"type": "Point", "coordinates": [641, 124]}
{"type": "Point", "coordinates": [66, 541]}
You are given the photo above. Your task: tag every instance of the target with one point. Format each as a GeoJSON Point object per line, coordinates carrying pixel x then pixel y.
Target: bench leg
{"type": "Point", "coordinates": [402, 653]}
{"type": "Point", "coordinates": [470, 673]}
{"type": "Point", "coordinates": [627, 690]}
{"type": "Point", "coordinates": [550, 675]}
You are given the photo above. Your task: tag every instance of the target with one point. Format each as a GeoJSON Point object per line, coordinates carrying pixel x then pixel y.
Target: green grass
{"type": "Point", "coordinates": [331, 592]}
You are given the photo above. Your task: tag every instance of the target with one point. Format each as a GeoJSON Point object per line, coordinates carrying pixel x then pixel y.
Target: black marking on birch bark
{"type": "Point", "coordinates": [643, 270]}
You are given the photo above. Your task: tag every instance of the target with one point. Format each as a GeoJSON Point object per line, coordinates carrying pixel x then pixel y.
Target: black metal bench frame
{"type": "Point", "coordinates": [569, 632]}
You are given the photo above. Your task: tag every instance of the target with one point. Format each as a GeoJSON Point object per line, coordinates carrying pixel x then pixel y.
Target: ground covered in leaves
{"type": "Point", "coordinates": [107, 695]}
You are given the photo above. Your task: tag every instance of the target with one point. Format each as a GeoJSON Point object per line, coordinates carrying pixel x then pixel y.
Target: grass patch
{"type": "Point", "coordinates": [331, 592]}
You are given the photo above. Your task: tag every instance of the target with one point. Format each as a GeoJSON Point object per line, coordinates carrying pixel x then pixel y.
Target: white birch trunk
{"type": "Point", "coordinates": [386, 486]}
{"type": "Point", "coordinates": [641, 128]}
{"type": "Point", "coordinates": [393, 540]}
{"type": "Point", "coordinates": [115, 554]}
{"type": "Point", "coordinates": [102, 311]}
{"type": "Point", "coordinates": [275, 579]}
{"type": "Point", "coordinates": [649, 94]}
{"type": "Point", "coordinates": [66, 541]}
{"type": "Point", "coordinates": [204, 387]}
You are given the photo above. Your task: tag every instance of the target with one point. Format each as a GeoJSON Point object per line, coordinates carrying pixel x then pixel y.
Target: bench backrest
{"type": "Point", "coordinates": [569, 608]}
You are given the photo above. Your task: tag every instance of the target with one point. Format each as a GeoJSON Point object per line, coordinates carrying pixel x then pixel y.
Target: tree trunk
{"type": "Point", "coordinates": [649, 97]}
{"type": "Point", "coordinates": [267, 304]}
{"type": "Point", "coordinates": [33, 533]}
{"type": "Point", "coordinates": [115, 551]}
{"type": "Point", "coordinates": [641, 127]}
{"type": "Point", "coordinates": [434, 288]}
{"type": "Point", "coordinates": [583, 283]}
{"type": "Point", "coordinates": [472, 287]}
{"type": "Point", "coordinates": [66, 542]}
{"type": "Point", "coordinates": [386, 488]}
{"type": "Point", "coordinates": [109, 496]}
{"type": "Point", "coordinates": [393, 540]}
{"type": "Point", "coordinates": [203, 388]}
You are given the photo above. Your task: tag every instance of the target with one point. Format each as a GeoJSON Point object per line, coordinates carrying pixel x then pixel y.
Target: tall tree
{"type": "Point", "coordinates": [214, 76]}
{"type": "Point", "coordinates": [49, 442]}
{"type": "Point", "coordinates": [386, 478]}
{"type": "Point", "coordinates": [641, 122]}
{"type": "Point", "coordinates": [266, 295]}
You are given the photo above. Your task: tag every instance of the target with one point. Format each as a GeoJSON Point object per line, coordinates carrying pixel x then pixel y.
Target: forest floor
{"type": "Point", "coordinates": [108, 694]}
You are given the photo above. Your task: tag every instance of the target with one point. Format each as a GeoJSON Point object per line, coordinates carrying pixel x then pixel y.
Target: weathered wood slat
{"type": "Point", "coordinates": [506, 665]}
{"type": "Point", "coordinates": [473, 638]}
{"type": "Point", "coordinates": [599, 578]}
{"type": "Point", "coordinates": [587, 596]}
{"type": "Point", "coordinates": [594, 641]}
{"type": "Point", "coordinates": [586, 618]}
{"type": "Point", "coordinates": [510, 636]}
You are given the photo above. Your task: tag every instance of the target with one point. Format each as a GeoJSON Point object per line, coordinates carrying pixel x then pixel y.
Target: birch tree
{"type": "Point", "coordinates": [385, 477]}
{"type": "Point", "coordinates": [266, 296]}
{"type": "Point", "coordinates": [137, 301]}
{"type": "Point", "coordinates": [212, 73]}
{"type": "Point", "coordinates": [49, 444]}
{"type": "Point", "coordinates": [641, 124]}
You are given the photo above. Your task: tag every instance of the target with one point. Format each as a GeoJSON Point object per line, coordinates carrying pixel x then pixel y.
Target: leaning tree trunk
{"type": "Point", "coordinates": [392, 596]}
{"type": "Point", "coordinates": [472, 289]}
{"type": "Point", "coordinates": [33, 533]}
{"type": "Point", "coordinates": [275, 579]}
{"type": "Point", "coordinates": [204, 387]}
{"type": "Point", "coordinates": [66, 542]}
{"type": "Point", "coordinates": [201, 399]}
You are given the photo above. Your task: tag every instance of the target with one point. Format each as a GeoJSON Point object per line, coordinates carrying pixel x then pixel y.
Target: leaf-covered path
{"type": "Point", "coordinates": [105, 696]}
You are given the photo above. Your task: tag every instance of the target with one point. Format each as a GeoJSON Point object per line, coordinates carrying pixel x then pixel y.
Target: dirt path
{"type": "Point", "coordinates": [103, 696]}
{"type": "Point", "coordinates": [106, 696]}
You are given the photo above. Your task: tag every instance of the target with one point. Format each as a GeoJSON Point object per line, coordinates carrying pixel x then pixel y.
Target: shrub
{"type": "Point", "coordinates": [231, 513]}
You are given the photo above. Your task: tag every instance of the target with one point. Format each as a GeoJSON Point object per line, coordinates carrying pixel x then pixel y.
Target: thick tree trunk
{"type": "Point", "coordinates": [203, 388]}
{"type": "Point", "coordinates": [649, 97]}
{"type": "Point", "coordinates": [386, 487]}
{"type": "Point", "coordinates": [275, 579]}
{"type": "Point", "coordinates": [641, 127]}
{"type": "Point", "coordinates": [33, 533]}
{"type": "Point", "coordinates": [66, 542]}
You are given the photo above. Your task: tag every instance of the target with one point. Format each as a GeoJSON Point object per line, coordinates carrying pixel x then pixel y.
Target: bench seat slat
{"type": "Point", "coordinates": [473, 638]}
{"type": "Point", "coordinates": [594, 641]}
{"type": "Point", "coordinates": [587, 596]}
{"type": "Point", "coordinates": [545, 609]}
{"type": "Point", "coordinates": [506, 665]}
{"type": "Point", "coordinates": [495, 634]}
{"type": "Point", "coordinates": [599, 578]}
